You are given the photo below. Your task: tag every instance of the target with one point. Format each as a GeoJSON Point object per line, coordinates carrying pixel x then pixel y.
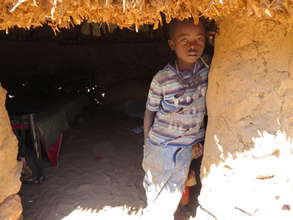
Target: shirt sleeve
{"type": "Point", "coordinates": [155, 95]}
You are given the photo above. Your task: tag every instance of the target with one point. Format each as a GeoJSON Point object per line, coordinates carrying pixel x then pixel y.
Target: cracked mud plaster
{"type": "Point", "coordinates": [250, 107]}
{"type": "Point", "coordinates": [10, 205]}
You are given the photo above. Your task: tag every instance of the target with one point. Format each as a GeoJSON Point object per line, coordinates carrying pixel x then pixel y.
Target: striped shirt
{"type": "Point", "coordinates": [179, 109]}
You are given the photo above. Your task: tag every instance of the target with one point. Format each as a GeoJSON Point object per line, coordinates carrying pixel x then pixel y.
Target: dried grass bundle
{"type": "Point", "coordinates": [125, 13]}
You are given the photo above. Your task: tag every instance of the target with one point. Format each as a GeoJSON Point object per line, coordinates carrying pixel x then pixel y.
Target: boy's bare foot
{"type": "Point", "coordinates": [184, 212]}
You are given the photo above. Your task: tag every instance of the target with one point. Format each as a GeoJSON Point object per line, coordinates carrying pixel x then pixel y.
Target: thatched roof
{"type": "Point", "coordinates": [64, 13]}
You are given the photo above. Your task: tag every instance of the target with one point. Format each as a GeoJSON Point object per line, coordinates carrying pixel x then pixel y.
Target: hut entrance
{"type": "Point", "coordinates": [75, 103]}
{"type": "Point", "coordinates": [248, 146]}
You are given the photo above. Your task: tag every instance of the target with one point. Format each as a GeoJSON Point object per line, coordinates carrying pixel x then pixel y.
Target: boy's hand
{"type": "Point", "coordinates": [197, 150]}
{"type": "Point", "coordinates": [148, 122]}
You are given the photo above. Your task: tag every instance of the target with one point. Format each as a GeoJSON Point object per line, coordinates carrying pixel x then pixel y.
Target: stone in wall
{"type": "Point", "coordinates": [10, 206]}
{"type": "Point", "coordinates": [247, 165]}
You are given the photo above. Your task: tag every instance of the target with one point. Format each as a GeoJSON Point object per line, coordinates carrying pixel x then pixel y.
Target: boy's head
{"type": "Point", "coordinates": [187, 40]}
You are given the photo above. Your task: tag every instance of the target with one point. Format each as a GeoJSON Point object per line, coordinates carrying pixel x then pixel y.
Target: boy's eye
{"type": "Point", "coordinates": [201, 39]}
{"type": "Point", "coordinates": [184, 40]}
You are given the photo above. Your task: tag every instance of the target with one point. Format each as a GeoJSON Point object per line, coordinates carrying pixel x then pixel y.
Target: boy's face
{"type": "Point", "coordinates": [188, 42]}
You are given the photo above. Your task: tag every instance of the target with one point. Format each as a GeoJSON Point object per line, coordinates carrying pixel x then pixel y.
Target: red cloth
{"type": "Point", "coordinates": [54, 150]}
{"type": "Point", "coordinates": [19, 126]}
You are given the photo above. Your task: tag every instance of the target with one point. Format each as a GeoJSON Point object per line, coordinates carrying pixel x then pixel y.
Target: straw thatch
{"type": "Point", "coordinates": [125, 13]}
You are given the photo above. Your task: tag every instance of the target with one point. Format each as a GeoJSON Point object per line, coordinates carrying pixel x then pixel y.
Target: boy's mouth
{"type": "Point", "coordinates": [192, 54]}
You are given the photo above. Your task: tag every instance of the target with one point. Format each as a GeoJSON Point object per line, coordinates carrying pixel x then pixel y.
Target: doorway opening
{"type": "Point", "coordinates": [76, 103]}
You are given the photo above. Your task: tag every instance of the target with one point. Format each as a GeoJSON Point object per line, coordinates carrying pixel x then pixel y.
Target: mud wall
{"type": "Point", "coordinates": [10, 205]}
{"type": "Point", "coordinates": [246, 170]}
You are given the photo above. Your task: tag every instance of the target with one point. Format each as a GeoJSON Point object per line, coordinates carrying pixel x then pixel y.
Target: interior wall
{"type": "Point", "coordinates": [10, 204]}
{"type": "Point", "coordinates": [110, 62]}
{"type": "Point", "coordinates": [123, 70]}
{"type": "Point", "coordinates": [246, 168]}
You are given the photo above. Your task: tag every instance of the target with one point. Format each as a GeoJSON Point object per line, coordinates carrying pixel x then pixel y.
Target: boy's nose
{"type": "Point", "coordinates": [195, 46]}
{"type": "Point", "coordinates": [192, 44]}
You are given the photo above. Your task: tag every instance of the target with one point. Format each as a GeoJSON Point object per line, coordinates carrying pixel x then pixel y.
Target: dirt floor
{"type": "Point", "coordinates": [99, 175]}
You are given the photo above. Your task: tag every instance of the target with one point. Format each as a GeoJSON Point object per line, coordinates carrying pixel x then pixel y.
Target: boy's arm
{"type": "Point", "coordinates": [148, 122]}
{"type": "Point", "coordinates": [155, 97]}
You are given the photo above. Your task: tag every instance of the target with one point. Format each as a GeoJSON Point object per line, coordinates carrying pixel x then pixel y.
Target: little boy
{"type": "Point", "coordinates": [173, 117]}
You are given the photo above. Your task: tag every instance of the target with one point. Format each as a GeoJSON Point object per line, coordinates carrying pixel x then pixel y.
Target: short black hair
{"type": "Point", "coordinates": [172, 26]}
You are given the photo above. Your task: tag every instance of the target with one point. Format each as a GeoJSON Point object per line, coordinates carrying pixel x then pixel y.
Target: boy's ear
{"type": "Point", "coordinates": [171, 44]}
{"type": "Point", "coordinates": [211, 37]}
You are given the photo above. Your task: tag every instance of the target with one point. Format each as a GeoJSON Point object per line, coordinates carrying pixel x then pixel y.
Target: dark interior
{"type": "Point", "coordinates": [75, 83]}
